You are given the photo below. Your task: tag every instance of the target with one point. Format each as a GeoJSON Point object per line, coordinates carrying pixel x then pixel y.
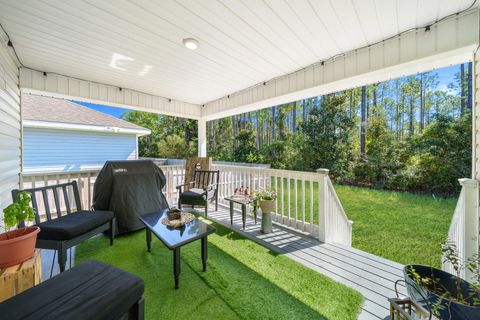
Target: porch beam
{"type": "Point", "coordinates": [202, 138]}
{"type": "Point", "coordinates": [451, 41]}
{"type": "Point", "coordinates": [63, 87]}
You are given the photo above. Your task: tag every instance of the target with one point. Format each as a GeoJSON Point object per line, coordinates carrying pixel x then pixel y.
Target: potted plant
{"type": "Point", "coordinates": [265, 199]}
{"type": "Point", "coordinates": [445, 295]}
{"type": "Point", "coordinates": [18, 245]}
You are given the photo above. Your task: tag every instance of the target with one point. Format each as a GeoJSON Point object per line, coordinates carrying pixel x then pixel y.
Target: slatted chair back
{"type": "Point", "coordinates": [54, 190]}
{"type": "Point", "coordinates": [204, 178]}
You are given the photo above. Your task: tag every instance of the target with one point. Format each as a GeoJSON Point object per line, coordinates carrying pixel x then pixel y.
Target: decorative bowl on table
{"type": "Point", "coordinates": [175, 218]}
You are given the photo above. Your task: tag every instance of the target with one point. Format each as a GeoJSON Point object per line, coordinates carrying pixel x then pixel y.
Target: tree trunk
{"type": "Point", "coordinates": [364, 120]}
{"type": "Point", "coordinates": [351, 104]}
{"type": "Point", "coordinates": [272, 137]}
{"type": "Point", "coordinates": [294, 117]}
{"type": "Point", "coordinates": [422, 104]}
{"type": "Point", "coordinates": [411, 128]}
{"type": "Point", "coordinates": [259, 136]}
{"type": "Point", "coordinates": [462, 88]}
{"type": "Point", "coordinates": [235, 133]}
{"type": "Point", "coordinates": [304, 116]}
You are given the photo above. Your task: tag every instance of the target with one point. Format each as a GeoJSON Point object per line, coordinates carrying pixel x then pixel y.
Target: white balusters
{"type": "Point", "coordinates": [326, 221]}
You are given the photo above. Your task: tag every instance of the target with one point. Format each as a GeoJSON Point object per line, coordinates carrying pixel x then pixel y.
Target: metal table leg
{"type": "Point", "coordinates": [231, 212]}
{"type": "Point", "coordinates": [149, 239]}
{"type": "Point", "coordinates": [204, 253]}
{"type": "Point", "coordinates": [176, 267]}
{"type": "Point", "coordinates": [244, 214]}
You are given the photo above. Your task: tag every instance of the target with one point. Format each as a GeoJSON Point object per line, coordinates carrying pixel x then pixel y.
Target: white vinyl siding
{"type": "Point", "coordinates": [51, 150]}
{"type": "Point", "coordinates": [10, 127]}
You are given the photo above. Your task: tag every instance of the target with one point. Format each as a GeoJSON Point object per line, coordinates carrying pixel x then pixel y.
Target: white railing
{"type": "Point", "coordinates": [463, 231]}
{"type": "Point", "coordinates": [174, 175]}
{"type": "Point", "coordinates": [338, 226]}
{"type": "Point", "coordinates": [306, 201]}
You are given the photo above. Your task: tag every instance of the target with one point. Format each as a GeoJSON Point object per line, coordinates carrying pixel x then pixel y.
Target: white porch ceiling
{"type": "Point", "coordinates": [242, 42]}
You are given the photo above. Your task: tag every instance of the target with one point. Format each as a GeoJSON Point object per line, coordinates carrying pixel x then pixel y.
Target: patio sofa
{"type": "Point", "coordinates": [61, 230]}
{"type": "Point", "coordinates": [92, 290]}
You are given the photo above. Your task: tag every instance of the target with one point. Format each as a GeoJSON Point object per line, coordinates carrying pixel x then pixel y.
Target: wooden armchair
{"type": "Point", "coordinates": [202, 190]}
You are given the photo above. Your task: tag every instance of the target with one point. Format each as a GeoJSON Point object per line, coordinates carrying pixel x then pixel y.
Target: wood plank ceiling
{"type": "Point", "coordinates": [137, 44]}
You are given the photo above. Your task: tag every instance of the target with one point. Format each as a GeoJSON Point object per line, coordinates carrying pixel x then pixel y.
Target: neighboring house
{"type": "Point", "coordinates": [60, 135]}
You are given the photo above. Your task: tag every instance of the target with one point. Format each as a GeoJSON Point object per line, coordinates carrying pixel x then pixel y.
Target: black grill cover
{"type": "Point", "coordinates": [129, 188]}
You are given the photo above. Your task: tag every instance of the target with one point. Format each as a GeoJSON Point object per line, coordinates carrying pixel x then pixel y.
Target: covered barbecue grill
{"type": "Point", "coordinates": [129, 188]}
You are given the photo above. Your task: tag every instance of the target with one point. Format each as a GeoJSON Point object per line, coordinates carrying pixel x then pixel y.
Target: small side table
{"type": "Point", "coordinates": [405, 309]}
{"type": "Point", "coordinates": [243, 202]}
{"type": "Point", "coordinates": [20, 277]}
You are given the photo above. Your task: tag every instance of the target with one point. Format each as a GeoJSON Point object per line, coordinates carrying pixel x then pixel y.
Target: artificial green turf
{"type": "Point", "coordinates": [400, 226]}
{"type": "Point", "coordinates": [243, 280]}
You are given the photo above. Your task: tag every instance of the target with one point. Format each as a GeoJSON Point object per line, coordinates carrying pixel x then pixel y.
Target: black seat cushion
{"type": "Point", "coordinates": [92, 290]}
{"type": "Point", "coordinates": [193, 195]}
{"type": "Point", "coordinates": [71, 225]}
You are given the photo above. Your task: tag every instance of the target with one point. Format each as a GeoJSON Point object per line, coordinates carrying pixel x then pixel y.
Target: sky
{"type": "Point", "coordinates": [445, 76]}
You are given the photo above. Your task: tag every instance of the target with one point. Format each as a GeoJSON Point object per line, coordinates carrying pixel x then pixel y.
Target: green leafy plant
{"type": "Point", "coordinates": [264, 195]}
{"type": "Point", "coordinates": [451, 255]}
{"type": "Point", "coordinates": [19, 211]}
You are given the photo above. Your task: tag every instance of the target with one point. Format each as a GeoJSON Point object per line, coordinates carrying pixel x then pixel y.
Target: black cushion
{"type": "Point", "coordinates": [72, 225]}
{"type": "Point", "coordinates": [92, 290]}
{"type": "Point", "coordinates": [193, 195]}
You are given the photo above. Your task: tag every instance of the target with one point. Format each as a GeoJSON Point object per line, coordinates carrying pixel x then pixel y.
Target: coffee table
{"type": "Point", "coordinates": [174, 239]}
{"type": "Point", "coordinates": [243, 202]}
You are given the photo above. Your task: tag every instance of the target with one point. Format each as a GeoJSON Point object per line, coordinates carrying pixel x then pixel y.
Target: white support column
{"type": "Point", "coordinates": [202, 138]}
{"type": "Point", "coordinates": [322, 205]}
{"type": "Point", "coordinates": [475, 115]}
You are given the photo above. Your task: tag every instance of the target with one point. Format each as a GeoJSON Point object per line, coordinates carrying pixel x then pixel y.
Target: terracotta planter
{"type": "Point", "coordinates": [267, 205]}
{"type": "Point", "coordinates": [17, 246]}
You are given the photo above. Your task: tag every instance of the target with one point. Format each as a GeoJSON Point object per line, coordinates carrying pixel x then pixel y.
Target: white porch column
{"type": "Point", "coordinates": [202, 138]}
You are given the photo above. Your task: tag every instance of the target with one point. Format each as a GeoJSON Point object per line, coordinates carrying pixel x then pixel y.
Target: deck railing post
{"type": "Point", "coordinates": [470, 227]}
{"type": "Point", "coordinates": [322, 205]}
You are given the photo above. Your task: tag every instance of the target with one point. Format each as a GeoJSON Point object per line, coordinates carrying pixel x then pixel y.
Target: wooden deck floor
{"type": "Point", "coordinates": [372, 276]}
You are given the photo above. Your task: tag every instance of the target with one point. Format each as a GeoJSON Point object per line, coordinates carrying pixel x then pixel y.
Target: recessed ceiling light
{"type": "Point", "coordinates": [190, 43]}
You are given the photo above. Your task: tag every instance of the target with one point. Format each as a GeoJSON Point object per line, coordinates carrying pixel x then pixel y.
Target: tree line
{"type": "Point", "coordinates": [409, 134]}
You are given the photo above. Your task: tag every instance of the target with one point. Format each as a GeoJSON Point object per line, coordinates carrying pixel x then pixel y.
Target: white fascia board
{"type": "Point", "coordinates": [64, 87]}
{"type": "Point", "coordinates": [83, 127]}
{"type": "Point", "coordinates": [451, 41]}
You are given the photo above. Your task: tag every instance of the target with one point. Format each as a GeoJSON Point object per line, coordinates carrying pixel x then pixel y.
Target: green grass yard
{"type": "Point", "coordinates": [403, 227]}
{"type": "Point", "coordinates": [399, 226]}
{"type": "Point", "coordinates": [243, 280]}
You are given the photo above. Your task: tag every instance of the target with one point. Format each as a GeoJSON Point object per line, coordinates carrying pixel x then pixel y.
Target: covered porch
{"type": "Point", "coordinates": [52, 52]}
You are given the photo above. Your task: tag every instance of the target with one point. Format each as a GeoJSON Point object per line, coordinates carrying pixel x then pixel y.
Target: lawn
{"type": "Point", "coordinates": [243, 280]}
{"type": "Point", "coordinates": [400, 226]}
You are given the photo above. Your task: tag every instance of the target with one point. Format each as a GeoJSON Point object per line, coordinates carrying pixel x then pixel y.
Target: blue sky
{"type": "Point", "coordinates": [113, 111]}
{"type": "Point", "coordinates": [445, 76]}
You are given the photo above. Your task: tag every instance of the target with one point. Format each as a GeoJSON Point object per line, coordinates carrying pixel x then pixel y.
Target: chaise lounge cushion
{"type": "Point", "coordinates": [92, 290]}
{"type": "Point", "coordinates": [71, 225]}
